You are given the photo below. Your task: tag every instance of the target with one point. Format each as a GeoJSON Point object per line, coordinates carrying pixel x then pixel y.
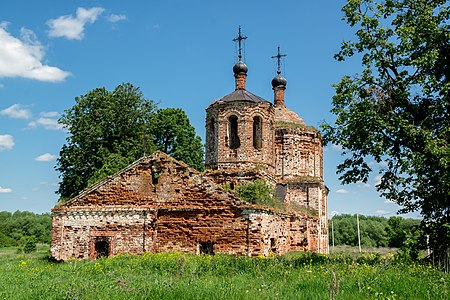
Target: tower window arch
{"type": "Point", "coordinates": [234, 141]}
{"type": "Point", "coordinates": [212, 131]}
{"type": "Point", "coordinates": [257, 132]}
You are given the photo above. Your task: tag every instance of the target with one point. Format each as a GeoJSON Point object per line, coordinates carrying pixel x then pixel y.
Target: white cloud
{"type": "Point", "coordinates": [116, 18]}
{"type": "Point", "coordinates": [377, 179]}
{"type": "Point", "coordinates": [334, 213]}
{"type": "Point", "coordinates": [49, 114]}
{"type": "Point", "coordinates": [2, 85]}
{"type": "Point", "coordinates": [28, 37]}
{"type": "Point", "coordinates": [6, 142]}
{"type": "Point", "coordinates": [381, 212]}
{"type": "Point", "coordinates": [381, 164]}
{"type": "Point", "coordinates": [5, 190]}
{"type": "Point", "coordinates": [4, 24]}
{"type": "Point", "coordinates": [45, 183]}
{"type": "Point", "coordinates": [23, 58]}
{"type": "Point", "coordinates": [342, 191]}
{"type": "Point", "coordinates": [71, 27]}
{"type": "Point", "coordinates": [46, 157]}
{"type": "Point", "coordinates": [47, 123]}
{"type": "Point", "coordinates": [363, 185]}
{"type": "Point", "coordinates": [336, 147]}
{"type": "Point", "coordinates": [387, 201]}
{"type": "Point", "coordinates": [16, 111]}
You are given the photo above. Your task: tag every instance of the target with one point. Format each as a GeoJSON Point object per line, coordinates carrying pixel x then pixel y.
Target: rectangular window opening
{"type": "Point", "coordinates": [206, 248]}
{"type": "Point", "coordinates": [155, 177]}
{"type": "Point", "coordinates": [273, 247]}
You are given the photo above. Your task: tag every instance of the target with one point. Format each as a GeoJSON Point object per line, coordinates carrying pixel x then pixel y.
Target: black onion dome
{"type": "Point", "coordinates": [240, 68]}
{"type": "Point", "coordinates": [279, 80]}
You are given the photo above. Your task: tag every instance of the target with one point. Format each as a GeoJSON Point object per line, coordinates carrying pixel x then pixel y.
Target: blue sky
{"type": "Point", "coordinates": [180, 54]}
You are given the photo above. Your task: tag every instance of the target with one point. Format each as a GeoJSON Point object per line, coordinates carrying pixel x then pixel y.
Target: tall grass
{"type": "Point", "coordinates": [181, 276]}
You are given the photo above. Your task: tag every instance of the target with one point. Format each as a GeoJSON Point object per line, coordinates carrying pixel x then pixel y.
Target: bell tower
{"type": "Point", "coordinates": [250, 138]}
{"type": "Point", "coordinates": [239, 126]}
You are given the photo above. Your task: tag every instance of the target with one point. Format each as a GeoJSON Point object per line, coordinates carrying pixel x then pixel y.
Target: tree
{"type": "Point", "coordinates": [173, 134]}
{"type": "Point", "coordinates": [373, 233]}
{"type": "Point", "coordinates": [398, 110]}
{"type": "Point", "coordinates": [19, 227]}
{"type": "Point", "coordinates": [109, 130]}
{"type": "Point", "coordinates": [30, 245]}
{"type": "Point", "coordinates": [399, 230]}
{"type": "Point", "coordinates": [106, 131]}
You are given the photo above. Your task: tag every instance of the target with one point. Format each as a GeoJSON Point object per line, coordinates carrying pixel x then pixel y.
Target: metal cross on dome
{"type": "Point", "coordinates": [278, 57]}
{"type": "Point", "coordinates": [239, 39]}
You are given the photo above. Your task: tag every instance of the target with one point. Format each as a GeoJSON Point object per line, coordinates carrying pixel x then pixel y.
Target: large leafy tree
{"type": "Point", "coordinates": [110, 129]}
{"type": "Point", "coordinates": [173, 134]}
{"type": "Point", "coordinates": [397, 110]}
{"type": "Point", "coordinates": [106, 132]}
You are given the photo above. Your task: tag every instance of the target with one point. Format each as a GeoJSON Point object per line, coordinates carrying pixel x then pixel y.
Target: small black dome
{"type": "Point", "coordinates": [279, 80]}
{"type": "Point", "coordinates": [240, 68]}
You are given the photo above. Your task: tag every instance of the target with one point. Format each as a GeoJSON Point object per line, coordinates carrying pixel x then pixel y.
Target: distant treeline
{"type": "Point", "coordinates": [17, 228]}
{"type": "Point", "coordinates": [374, 231]}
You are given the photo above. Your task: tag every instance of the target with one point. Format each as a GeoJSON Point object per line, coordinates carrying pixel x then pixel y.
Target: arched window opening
{"type": "Point", "coordinates": [211, 126]}
{"type": "Point", "coordinates": [257, 132]}
{"type": "Point", "coordinates": [212, 133]}
{"type": "Point", "coordinates": [233, 132]}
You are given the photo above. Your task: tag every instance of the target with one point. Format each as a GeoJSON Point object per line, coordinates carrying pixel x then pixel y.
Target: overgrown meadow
{"type": "Point", "coordinates": [181, 276]}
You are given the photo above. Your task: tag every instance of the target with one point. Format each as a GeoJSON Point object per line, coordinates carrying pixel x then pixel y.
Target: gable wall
{"type": "Point", "coordinates": [177, 186]}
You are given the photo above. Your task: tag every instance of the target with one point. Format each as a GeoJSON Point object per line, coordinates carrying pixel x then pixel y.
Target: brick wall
{"type": "Point", "coordinates": [219, 154]}
{"type": "Point", "coordinates": [298, 153]}
{"type": "Point", "coordinates": [131, 213]}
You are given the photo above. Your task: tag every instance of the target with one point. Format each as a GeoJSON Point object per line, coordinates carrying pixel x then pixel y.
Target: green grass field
{"type": "Point", "coordinates": [180, 276]}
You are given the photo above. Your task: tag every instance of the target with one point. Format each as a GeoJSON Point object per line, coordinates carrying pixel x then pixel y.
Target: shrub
{"type": "Point", "coordinates": [259, 193]}
{"type": "Point", "coordinates": [30, 245]}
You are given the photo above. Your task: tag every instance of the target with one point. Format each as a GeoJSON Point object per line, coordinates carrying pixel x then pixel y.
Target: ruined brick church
{"type": "Point", "coordinates": [159, 204]}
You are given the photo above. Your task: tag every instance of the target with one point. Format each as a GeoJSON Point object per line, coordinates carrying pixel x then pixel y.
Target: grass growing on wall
{"type": "Point", "coordinates": [181, 276]}
{"type": "Point", "coordinates": [260, 193]}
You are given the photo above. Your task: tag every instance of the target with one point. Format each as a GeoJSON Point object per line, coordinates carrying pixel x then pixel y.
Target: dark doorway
{"type": "Point", "coordinates": [206, 248]}
{"type": "Point", "coordinates": [101, 248]}
{"type": "Point", "coordinates": [273, 247]}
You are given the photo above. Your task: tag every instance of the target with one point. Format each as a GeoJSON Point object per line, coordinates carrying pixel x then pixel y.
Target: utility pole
{"type": "Point", "coordinates": [359, 234]}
